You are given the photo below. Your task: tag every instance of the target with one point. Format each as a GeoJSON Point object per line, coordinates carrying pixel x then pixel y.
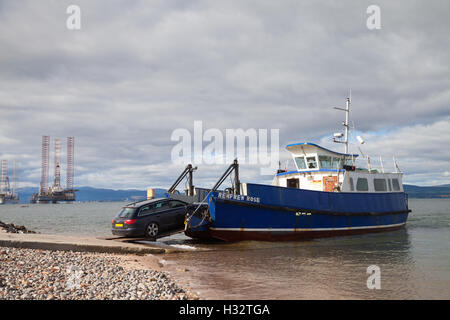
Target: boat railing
{"type": "Point", "coordinates": [375, 165]}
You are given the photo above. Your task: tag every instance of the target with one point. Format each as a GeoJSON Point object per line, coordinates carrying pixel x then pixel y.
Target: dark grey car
{"type": "Point", "coordinates": [152, 218]}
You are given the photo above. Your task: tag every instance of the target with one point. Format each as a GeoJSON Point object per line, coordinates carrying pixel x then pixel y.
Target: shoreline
{"type": "Point", "coordinates": [57, 267]}
{"type": "Point", "coordinates": [35, 274]}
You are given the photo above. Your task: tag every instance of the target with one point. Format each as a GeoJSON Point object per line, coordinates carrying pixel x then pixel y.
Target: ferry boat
{"type": "Point", "coordinates": [326, 195]}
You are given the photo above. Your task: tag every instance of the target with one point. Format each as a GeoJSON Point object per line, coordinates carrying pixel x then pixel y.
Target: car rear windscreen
{"type": "Point", "coordinates": [126, 212]}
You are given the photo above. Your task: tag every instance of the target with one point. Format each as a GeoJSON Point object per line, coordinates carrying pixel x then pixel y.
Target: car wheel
{"type": "Point", "coordinates": [152, 230]}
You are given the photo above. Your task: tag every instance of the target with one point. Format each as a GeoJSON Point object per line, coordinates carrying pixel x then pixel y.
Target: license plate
{"type": "Point", "coordinates": [119, 225]}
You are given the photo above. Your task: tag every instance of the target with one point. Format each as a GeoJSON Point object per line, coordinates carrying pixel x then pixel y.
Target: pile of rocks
{"type": "Point", "coordinates": [67, 275]}
{"type": "Point", "coordinates": [12, 228]}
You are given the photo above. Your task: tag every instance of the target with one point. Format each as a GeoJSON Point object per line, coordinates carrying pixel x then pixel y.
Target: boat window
{"type": "Point", "coordinates": [362, 184]}
{"type": "Point", "coordinates": [390, 184]}
{"type": "Point", "coordinates": [293, 183]}
{"type": "Point", "coordinates": [350, 182]}
{"type": "Point", "coordinates": [379, 184]}
{"type": "Point", "coordinates": [349, 162]}
{"type": "Point", "coordinates": [395, 184]}
{"type": "Point", "coordinates": [325, 162]}
{"type": "Point", "coordinates": [336, 163]}
{"type": "Point", "coordinates": [300, 161]}
{"type": "Point", "coordinates": [312, 164]}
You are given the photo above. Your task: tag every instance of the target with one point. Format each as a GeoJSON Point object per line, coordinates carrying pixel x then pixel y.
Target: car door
{"type": "Point", "coordinates": [162, 215]}
{"type": "Point", "coordinates": [144, 215]}
{"type": "Point", "coordinates": [178, 213]}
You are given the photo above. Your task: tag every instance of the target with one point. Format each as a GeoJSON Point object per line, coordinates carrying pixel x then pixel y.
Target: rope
{"type": "Point", "coordinates": [204, 216]}
{"type": "Point", "coordinates": [189, 217]}
{"type": "Point", "coordinates": [232, 180]}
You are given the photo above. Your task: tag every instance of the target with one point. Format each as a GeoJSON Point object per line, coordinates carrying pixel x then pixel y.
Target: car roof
{"type": "Point", "coordinates": [144, 202]}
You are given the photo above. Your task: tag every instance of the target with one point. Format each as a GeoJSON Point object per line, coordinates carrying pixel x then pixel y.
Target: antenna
{"type": "Point", "coordinates": [397, 169]}
{"type": "Point", "coordinates": [363, 155]}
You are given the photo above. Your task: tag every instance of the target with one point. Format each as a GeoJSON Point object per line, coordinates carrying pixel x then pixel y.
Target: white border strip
{"type": "Point", "coordinates": [307, 229]}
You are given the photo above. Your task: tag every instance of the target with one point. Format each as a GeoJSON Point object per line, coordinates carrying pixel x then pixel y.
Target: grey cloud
{"type": "Point", "coordinates": [140, 69]}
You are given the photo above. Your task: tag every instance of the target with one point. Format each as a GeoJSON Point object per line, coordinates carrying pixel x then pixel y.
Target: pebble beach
{"type": "Point", "coordinates": [32, 274]}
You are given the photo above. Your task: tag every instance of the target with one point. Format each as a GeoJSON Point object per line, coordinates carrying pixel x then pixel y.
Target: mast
{"type": "Point", "coordinates": [347, 113]}
{"type": "Point", "coordinates": [346, 126]}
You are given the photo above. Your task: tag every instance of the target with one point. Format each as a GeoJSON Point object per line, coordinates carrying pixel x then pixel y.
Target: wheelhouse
{"type": "Point", "coordinates": [321, 169]}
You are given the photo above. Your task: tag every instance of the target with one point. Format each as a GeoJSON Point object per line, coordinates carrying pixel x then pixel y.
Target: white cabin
{"type": "Point", "coordinates": [321, 169]}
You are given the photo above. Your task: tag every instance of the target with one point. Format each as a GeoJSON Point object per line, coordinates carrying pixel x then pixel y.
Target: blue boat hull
{"type": "Point", "coordinates": [283, 214]}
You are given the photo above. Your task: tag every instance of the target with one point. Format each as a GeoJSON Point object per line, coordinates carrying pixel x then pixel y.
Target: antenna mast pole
{"type": "Point", "coordinates": [346, 124]}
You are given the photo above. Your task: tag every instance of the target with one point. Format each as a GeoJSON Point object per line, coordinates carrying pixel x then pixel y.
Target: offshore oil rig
{"type": "Point", "coordinates": [7, 192]}
{"type": "Point", "coordinates": [56, 192]}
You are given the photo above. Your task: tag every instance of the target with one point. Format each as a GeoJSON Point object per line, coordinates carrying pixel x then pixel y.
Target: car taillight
{"type": "Point", "coordinates": [112, 221]}
{"type": "Point", "coordinates": [130, 221]}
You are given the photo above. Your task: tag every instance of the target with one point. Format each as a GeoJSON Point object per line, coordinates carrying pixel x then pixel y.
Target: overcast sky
{"type": "Point", "coordinates": [138, 70]}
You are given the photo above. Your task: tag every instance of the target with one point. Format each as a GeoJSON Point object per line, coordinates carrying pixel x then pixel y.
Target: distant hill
{"type": "Point", "coordinates": [99, 194]}
{"type": "Point", "coordinates": [442, 191]}
{"type": "Point", "coordinates": [94, 194]}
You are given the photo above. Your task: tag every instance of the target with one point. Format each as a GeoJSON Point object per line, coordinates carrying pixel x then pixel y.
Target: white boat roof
{"type": "Point", "coordinates": [299, 147]}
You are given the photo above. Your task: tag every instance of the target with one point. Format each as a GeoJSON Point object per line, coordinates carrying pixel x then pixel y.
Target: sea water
{"type": "Point", "coordinates": [413, 263]}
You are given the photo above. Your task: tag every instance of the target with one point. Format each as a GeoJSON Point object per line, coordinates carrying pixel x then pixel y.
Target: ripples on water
{"type": "Point", "coordinates": [414, 262]}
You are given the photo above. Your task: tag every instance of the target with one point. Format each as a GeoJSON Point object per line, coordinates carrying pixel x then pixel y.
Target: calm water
{"type": "Point", "coordinates": [414, 262]}
{"type": "Point", "coordinates": [82, 218]}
